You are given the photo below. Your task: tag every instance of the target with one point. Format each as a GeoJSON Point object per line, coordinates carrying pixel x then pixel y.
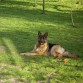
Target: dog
{"type": "Point", "coordinates": [43, 48]}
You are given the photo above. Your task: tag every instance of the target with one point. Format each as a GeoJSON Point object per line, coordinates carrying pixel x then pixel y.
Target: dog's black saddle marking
{"type": "Point", "coordinates": [50, 46]}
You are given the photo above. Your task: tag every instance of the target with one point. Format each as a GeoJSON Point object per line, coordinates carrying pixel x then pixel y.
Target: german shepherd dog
{"type": "Point", "coordinates": [43, 48]}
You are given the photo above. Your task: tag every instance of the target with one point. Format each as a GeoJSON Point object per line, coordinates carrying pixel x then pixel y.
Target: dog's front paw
{"type": "Point", "coordinates": [22, 53]}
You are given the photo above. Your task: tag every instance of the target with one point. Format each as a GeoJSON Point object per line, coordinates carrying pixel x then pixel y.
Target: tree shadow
{"type": "Point", "coordinates": [23, 43]}
{"type": "Point", "coordinates": [15, 9]}
{"type": "Point", "coordinates": [22, 40]}
{"type": "Point", "coordinates": [19, 3]}
{"type": "Point", "coordinates": [33, 15]}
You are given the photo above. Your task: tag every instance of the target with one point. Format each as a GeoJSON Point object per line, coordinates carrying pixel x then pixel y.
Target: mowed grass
{"type": "Point", "coordinates": [19, 23]}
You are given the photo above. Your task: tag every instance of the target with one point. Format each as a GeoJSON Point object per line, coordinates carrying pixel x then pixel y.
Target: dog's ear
{"type": "Point", "coordinates": [46, 34]}
{"type": "Point", "coordinates": [39, 33]}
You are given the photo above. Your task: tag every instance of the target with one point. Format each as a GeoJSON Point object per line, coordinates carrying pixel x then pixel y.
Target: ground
{"type": "Point", "coordinates": [19, 23]}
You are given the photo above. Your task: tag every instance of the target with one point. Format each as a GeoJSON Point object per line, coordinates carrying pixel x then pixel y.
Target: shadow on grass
{"type": "Point", "coordinates": [18, 9]}
{"type": "Point", "coordinates": [22, 40]}
{"type": "Point", "coordinates": [32, 14]}
{"type": "Point", "coordinates": [21, 9]}
{"type": "Point", "coordinates": [17, 42]}
{"type": "Point", "coordinates": [19, 3]}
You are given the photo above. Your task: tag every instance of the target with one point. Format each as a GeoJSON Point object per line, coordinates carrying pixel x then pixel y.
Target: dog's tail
{"type": "Point", "coordinates": [66, 53]}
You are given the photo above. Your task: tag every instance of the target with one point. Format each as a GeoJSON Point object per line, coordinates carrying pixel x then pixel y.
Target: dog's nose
{"type": "Point", "coordinates": [41, 43]}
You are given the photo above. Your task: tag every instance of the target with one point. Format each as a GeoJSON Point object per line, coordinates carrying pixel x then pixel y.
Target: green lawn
{"type": "Point", "coordinates": [19, 23]}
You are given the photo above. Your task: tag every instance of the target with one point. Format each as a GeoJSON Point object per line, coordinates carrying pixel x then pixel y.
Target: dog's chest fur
{"type": "Point", "coordinates": [41, 49]}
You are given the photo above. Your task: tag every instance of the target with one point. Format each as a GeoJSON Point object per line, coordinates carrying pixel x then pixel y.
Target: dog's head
{"type": "Point", "coordinates": [42, 39]}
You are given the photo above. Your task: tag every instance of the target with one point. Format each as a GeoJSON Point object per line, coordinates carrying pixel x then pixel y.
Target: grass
{"type": "Point", "coordinates": [19, 24]}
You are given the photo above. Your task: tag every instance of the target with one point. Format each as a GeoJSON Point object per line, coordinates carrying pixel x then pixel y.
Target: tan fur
{"type": "Point", "coordinates": [41, 50]}
{"type": "Point", "coordinates": [57, 51]}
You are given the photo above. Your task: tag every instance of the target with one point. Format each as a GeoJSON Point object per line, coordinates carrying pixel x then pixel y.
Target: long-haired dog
{"type": "Point", "coordinates": [43, 48]}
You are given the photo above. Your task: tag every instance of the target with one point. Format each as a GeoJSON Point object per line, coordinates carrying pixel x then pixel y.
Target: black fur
{"type": "Point", "coordinates": [50, 46]}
